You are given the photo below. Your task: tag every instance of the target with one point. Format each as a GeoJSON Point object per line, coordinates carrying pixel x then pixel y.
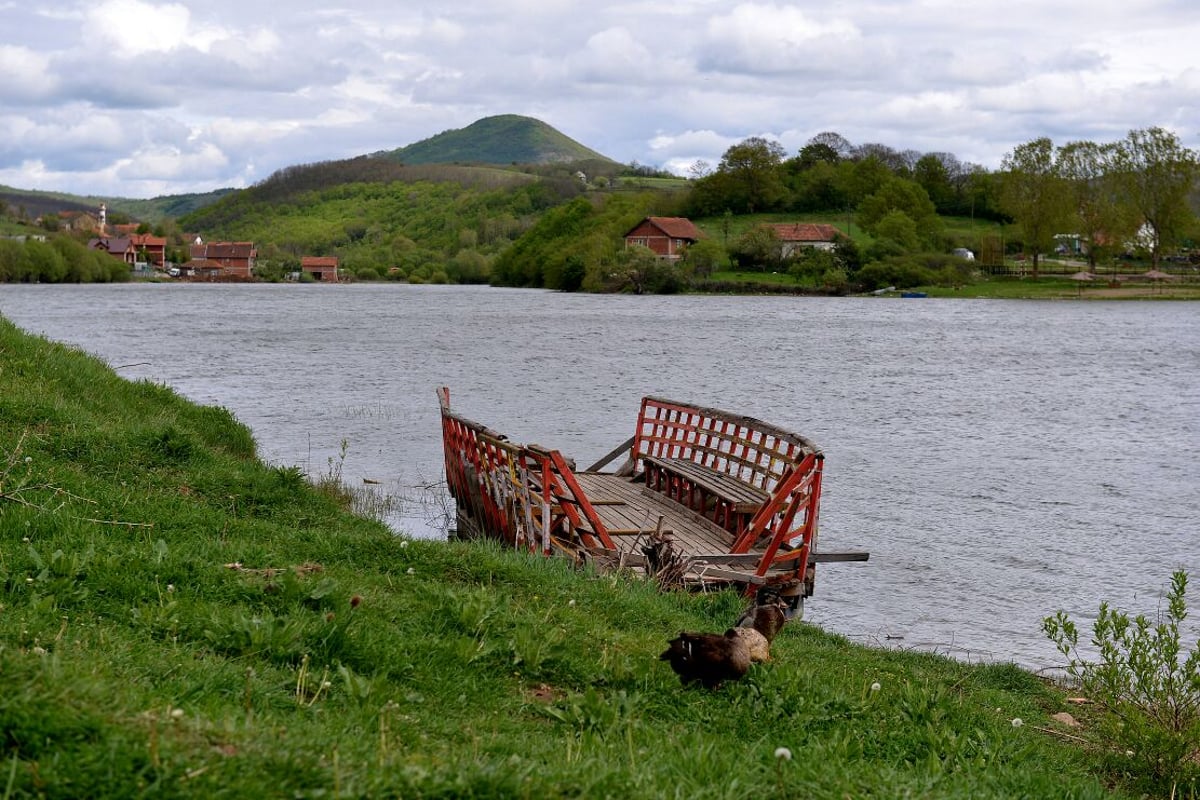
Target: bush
{"type": "Point", "coordinates": [1149, 698]}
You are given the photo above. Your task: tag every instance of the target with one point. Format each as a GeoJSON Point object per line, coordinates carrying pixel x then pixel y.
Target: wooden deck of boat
{"type": "Point", "coordinates": [630, 511]}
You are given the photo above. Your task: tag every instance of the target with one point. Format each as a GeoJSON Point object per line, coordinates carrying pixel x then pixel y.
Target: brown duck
{"type": "Point", "coordinates": [708, 658]}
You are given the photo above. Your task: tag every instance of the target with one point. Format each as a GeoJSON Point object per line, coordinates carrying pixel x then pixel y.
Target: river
{"type": "Point", "coordinates": [1000, 460]}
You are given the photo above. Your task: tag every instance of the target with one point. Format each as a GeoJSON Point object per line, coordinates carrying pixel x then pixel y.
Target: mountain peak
{"type": "Point", "coordinates": [501, 139]}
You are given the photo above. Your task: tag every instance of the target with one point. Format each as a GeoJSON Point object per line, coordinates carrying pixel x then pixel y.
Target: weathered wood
{"type": "Point", "coordinates": [835, 558]}
{"type": "Point", "coordinates": [744, 497]}
{"type": "Point", "coordinates": [734, 499]}
{"type": "Point", "coordinates": [608, 458]}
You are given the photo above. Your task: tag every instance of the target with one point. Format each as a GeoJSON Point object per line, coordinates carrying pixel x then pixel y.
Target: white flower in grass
{"type": "Point", "coordinates": [875, 687]}
{"type": "Point", "coordinates": [403, 543]}
{"type": "Point", "coordinates": [28, 459]}
{"type": "Point", "coordinates": [176, 713]}
{"type": "Point", "coordinates": [783, 753]}
{"type": "Point", "coordinates": [410, 571]}
{"type": "Point", "coordinates": [1017, 722]}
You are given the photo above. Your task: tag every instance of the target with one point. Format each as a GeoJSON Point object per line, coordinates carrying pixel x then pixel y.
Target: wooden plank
{"type": "Point", "coordinates": [836, 558]}
{"type": "Point", "coordinates": [745, 497]}
{"type": "Point", "coordinates": [624, 447]}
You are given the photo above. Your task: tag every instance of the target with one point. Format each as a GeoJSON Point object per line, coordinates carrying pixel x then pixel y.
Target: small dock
{"type": "Point", "coordinates": [701, 496]}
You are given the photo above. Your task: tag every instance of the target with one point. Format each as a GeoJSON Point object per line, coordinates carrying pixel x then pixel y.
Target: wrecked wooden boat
{"type": "Point", "coordinates": [702, 499]}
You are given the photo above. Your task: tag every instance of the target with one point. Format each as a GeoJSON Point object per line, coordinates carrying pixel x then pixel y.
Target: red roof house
{"type": "Point", "coordinates": [794, 235]}
{"type": "Point", "coordinates": [668, 237]}
{"type": "Point", "coordinates": [152, 249]}
{"type": "Point", "coordinates": [223, 259]}
{"type": "Point", "coordinates": [321, 268]}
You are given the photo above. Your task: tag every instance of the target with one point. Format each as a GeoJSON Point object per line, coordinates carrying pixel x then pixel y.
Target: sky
{"type": "Point", "coordinates": [141, 98]}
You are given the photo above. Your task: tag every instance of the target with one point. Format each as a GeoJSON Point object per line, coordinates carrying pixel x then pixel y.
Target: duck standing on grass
{"type": "Point", "coordinates": [708, 658]}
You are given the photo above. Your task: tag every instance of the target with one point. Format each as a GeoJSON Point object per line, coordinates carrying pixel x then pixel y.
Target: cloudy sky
{"type": "Point", "coordinates": [137, 98]}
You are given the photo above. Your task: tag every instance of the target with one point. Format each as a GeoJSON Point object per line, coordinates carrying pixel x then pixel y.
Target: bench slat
{"type": "Point", "coordinates": [745, 497]}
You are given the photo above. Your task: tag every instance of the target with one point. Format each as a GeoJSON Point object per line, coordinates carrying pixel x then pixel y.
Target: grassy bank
{"type": "Point", "coordinates": [178, 619]}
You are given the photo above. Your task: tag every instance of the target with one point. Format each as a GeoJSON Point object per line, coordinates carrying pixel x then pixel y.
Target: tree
{"type": "Point", "coordinates": [939, 174]}
{"type": "Point", "coordinates": [898, 194]}
{"type": "Point", "coordinates": [705, 257]}
{"type": "Point", "coordinates": [699, 169]}
{"type": "Point", "coordinates": [898, 227]}
{"type": "Point", "coordinates": [859, 179]}
{"type": "Point", "coordinates": [752, 167]}
{"type": "Point", "coordinates": [1156, 174]}
{"type": "Point", "coordinates": [833, 142]}
{"type": "Point", "coordinates": [1087, 168]}
{"type": "Point", "coordinates": [758, 247]}
{"type": "Point", "coordinates": [1034, 193]}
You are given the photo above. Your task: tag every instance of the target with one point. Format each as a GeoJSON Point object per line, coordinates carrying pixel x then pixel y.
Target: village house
{"type": "Point", "coordinates": [151, 249]}
{"type": "Point", "coordinates": [794, 236]}
{"type": "Point", "coordinates": [320, 268]}
{"type": "Point", "coordinates": [222, 260]}
{"type": "Point", "coordinates": [668, 237]}
{"type": "Point", "coordinates": [116, 246]}
{"type": "Point", "coordinates": [78, 221]}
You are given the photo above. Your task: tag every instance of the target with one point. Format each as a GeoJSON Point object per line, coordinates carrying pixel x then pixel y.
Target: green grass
{"type": "Point", "coordinates": [178, 619]}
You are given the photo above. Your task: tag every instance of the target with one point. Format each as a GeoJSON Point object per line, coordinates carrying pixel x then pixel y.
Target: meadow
{"type": "Point", "coordinates": [180, 619]}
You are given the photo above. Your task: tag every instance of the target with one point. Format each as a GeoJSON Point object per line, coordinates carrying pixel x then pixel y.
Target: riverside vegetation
{"type": "Point", "coordinates": [522, 205]}
{"type": "Point", "coordinates": [179, 619]}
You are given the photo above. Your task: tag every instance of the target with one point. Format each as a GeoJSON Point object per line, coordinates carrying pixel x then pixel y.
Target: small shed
{"type": "Point", "coordinates": [668, 237]}
{"type": "Point", "coordinates": [320, 268]}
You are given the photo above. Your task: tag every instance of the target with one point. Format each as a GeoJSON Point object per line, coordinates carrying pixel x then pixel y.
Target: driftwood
{"type": "Point", "coordinates": [663, 563]}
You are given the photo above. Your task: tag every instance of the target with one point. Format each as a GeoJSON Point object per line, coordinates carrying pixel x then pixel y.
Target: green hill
{"type": "Point", "coordinates": [179, 619]}
{"type": "Point", "coordinates": [154, 210]}
{"type": "Point", "coordinates": [432, 222]}
{"type": "Point", "coordinates": [503, 139]}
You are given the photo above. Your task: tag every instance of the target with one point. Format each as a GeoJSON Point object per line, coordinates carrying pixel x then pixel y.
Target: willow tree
{"type": "Point", "coordinates": [1155, 173]}
{"type": "Point", "coordinates": [1034, 193]}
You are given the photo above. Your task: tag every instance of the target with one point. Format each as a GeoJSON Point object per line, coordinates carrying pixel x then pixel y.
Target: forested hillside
{"type": "Point", "coordinates": [385, 219]}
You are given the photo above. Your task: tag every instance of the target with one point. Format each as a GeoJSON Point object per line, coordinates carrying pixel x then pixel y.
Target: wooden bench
{"type": "Point", "coordinates": [718, 496]}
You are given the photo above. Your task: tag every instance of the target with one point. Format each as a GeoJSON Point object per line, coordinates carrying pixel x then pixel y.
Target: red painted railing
{"type": "Point", "coordinates": [526, 494]}
{"type": "Point", "coordinates": [784, 466]}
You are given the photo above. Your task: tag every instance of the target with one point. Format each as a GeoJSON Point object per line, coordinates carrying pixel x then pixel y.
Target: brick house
{"type": "Point", "coordinates": [223, 259]}
{"type": "Point", "coordinates": [793, 236]}
{"type": "Point", "coordinates": [153, 248]}
{"type": "Point", "coordinates": [321, 268]}
{"type": "Point", "coordinates": [668, 237]}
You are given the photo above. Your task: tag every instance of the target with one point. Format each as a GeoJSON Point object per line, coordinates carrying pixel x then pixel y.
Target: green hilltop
{"type": "Point", "coordinates": [502, 139]}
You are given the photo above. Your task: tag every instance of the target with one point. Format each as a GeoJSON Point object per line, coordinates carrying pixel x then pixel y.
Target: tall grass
{"type": "Point", "coordinates": [178, 619]}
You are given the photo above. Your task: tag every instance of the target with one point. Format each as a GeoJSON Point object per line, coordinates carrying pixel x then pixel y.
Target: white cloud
{"type": "Point", "coordinates": [757, 38]}
{"type": "Point", "coordinates": [215, 92]}
{"type": "Point", "coordinates": [26, 74]}
{"type": "Point", "coordinates": [132, 28]}
{"type": "Point", "coordinates": [172, 163]}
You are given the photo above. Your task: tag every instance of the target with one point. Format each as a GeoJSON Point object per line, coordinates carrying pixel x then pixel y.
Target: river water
{"type": "Point", "coordinates": [1000, 460]}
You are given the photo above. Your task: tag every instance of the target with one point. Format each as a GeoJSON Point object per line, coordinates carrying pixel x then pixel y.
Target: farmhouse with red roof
{"type": "Point", "coordinates": [668, 237]}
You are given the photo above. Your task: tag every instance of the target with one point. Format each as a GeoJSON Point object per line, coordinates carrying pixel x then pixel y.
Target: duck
{"type": "Point", "coordinates": [757, 646]}
{"type": "Point", "coordinates": [709, 659]}
{"type": "Point", "coordinates": [768, 615]}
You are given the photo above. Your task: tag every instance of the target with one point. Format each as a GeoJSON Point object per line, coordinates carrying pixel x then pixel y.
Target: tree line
{"type": "Point", "coordinates": [558, 227]}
